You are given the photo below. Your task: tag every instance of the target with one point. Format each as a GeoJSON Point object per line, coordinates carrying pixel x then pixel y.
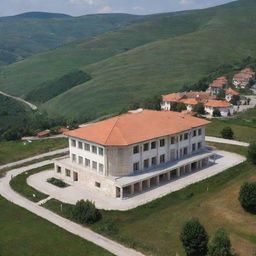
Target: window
{"type": "Point", "coordinates": [135, 149]}
{"type": "Point", "coordinates": [86, 146]}
{"type": "Point", "coordinates": [172, 140]}
{"type": "Point", "coordinates": [162, 159]}
{"type": "Point", "coordinates": [200, 132]}
{"type": "Point", "coordinates": [146, 163]}
{"type": "Point", "coordinates": [185, 136]}
{"type": "Point", "coordinates": [73, 158]}
{"type": "Point", "coordinates": [193, 147]}
{"type": "Point", "coordinates": [101, 151]}
{"type": "Point", "coordinates": [146, 147]}
{"type": "Point", "coordinates": [194, 133]}
{"type": "Point", "coordinates": [80, 145]}
{"type": "Point", "coordinates": [185, 151]}
{"type": "Point", "coordinates": [162, 142]}
{"type": "Point", "coordinates": [58, 169]}
{"type": "Point", "coordinates": [94, 149]}
{"type": "Point", "coordinates": [101, 167]}
{"type": "Point", "coordinates": [80, 160]}
{"type": "Point", "coordinates": [68, 172]}
{"type": "Point", "coordinates": [153, 145]}
{"type": "Point", "coordinates": [94, 165]}
{"type": "Point", "coordinates": [97, 184]}
{"type": "Point", "coordinates": [199, 145]}
{"type": "Point", "coordinates": [87, 162]}
{"type": "Point", "coordinates": [181, 137]}
{"type": "Point", "coordinates": [153, 161]}
{"type": "Point", "coordinates": [73, 143]}
{"type": "Point", "coordinates": [136, 166]}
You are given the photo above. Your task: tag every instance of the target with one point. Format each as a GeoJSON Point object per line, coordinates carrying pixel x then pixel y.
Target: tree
{"type": "Point", "coordinates": [221, 95]}
{"type": "Point", "coordinates": [252, 153]}
{"type": "Point", "coordinates": [194, 238]}
{"type": "Point", "coordinates": [247, 196]}
{"type": "Point", "coordinates": [220, 244]}
{"type": "Point", "coordinates": [235, 100]}
{"type": "Point", "coordinates": [216, 113]}
{"type": "Point", "coordinates": [85, 212]}
{"type": "Point", "coordinates": [199, 108]}
{"type": "Point", "coordinates": [178, 106]}
{"type": "Point", "coordinates": [227, 133]}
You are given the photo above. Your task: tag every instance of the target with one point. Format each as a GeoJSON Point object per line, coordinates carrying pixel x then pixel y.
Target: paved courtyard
{"type": "Point", "coordinates": [76, 192]}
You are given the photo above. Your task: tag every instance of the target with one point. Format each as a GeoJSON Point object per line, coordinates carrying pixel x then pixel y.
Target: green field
{"type": "Point", "coordinates": [156, 56]}
{"type": "Point", "coordinates": [23, 233]}
{"type": "Point", "coordinates": [12, 151]}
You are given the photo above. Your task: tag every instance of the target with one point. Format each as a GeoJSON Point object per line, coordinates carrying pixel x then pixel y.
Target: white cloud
{"type": "Point", "coordinates": [105, 9]}
{"type": "Point", "coordinates": [186, 2]}
{"type": "Point", "coordinates": [138, 8]}
{"type": "Point", "coordinates": [82, 2]}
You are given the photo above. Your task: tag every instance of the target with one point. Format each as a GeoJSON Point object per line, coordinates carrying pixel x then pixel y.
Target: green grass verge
{"type": "Point", "coordinates": [19, 184]}
{"type": "Point", "coordinates": [12, 151]}
{"type": "Point", "coordinates": [23, 233]}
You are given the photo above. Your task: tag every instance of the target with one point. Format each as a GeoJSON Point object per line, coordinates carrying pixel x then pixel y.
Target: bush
{"type": "Point", "coordinates": [85, 212]}
{"type": "Point", "coordinates": [252, 153]}
{"type": "Point", "coordinates": [199, 108]}
{"type": "Point", "coordinates": [178, 106]}
{"type": "Point", "coordinates": [221, 95]}
{"type": "Point", "coordinates": [227, 133]}
{"type": "Point", "coordinates": [220, 245]}
{"type": "Point", "coordinates": [247, 196]}
{"type": "Point", "coordinates": [194, 238]}
{"type": "Point", "coordinates": [216, 113]}
{"type": "Point", "coordinates": [57, 182]}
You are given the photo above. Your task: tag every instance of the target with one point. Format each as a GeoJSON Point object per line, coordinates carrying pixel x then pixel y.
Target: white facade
{"type": "Point", "coordinates": [224, 111]}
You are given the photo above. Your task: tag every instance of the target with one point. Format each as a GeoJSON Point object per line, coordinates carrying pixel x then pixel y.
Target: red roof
{"type": "Point", "coordinates": [217, 103]}
{"type": "Point", "coordinates": [137, 126]}
{"type": "Point", "coordinates": [177, 97]}
{"type": "Point", "coordinates": [172, 97]}
{"type": "Point", "coordinates": [222, 78]}
{"type": "Point", "coordinates": [232, 92]}
{"type": "Point", "coordinates": [248, 71]}
{"type": "Point", "coordinates": [43, 133]}
{"type": "Point", "coordinates": [243, 76]}
{"type": "Point", "coordinates": [189, 101]}
{"type": "Point", "coordinates": [217, 83]}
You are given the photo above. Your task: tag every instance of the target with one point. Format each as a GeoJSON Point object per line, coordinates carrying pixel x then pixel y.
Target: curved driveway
{"type": "Point", "coordinates": [9, 194]}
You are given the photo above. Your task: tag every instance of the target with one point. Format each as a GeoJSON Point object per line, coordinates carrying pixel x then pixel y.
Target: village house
{"type": "Point", "coordinates": [43, 134]}
{"type": "Point", "coordinates": [134, 152]}
{"type": "Point", "coordinates": [230, 93]}
{"type": "Point", "coordinates": [241, 80]}
{"type": "Point", "coordinates": [223, 106]}
{"type": "Point", "coordinates": [221, 83]}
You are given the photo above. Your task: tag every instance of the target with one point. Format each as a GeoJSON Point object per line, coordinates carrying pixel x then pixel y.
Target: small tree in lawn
{"type": "Point", "coordinates": [220, 244]}
{"type": "Point", "coordinates": [199, 108]}
{"type": "Point", "coordinates": [216, 113]}
{"type": "Point", "coordinates": [221, 95]}
{"type": "Point", "coordinates": [227, 133]}
{"type": "Point", "coordinates": [247, 196]}
{"type": "Point", "coordinates": [85, 212]}
{"type": "Point", "coordinates": [194, 238]}
{"type": "Point", "coordinates": [252, 153]}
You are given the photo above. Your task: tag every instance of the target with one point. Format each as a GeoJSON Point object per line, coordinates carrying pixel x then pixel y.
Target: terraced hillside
{"type": "Point", "coordinates": [159, 55]}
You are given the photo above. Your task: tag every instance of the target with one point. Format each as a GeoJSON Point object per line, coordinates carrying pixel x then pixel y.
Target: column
{"type": "Point", "coordinates": [132, 189]}
{"type": "Point", "coordinates": [140, 187]}
{"type": "Point", "coordinates": [157, 180]}
{"type": "Point", "coordinates": [168, 175]}
{"type": "Point", "coordinates": [121, 193]}
{"type": "Point", "coordinates": [148, 183]}
{"type": "Point", "coordinates": [178, 172]}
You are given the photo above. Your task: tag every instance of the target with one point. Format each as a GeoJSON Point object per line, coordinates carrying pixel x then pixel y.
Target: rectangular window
{"type": "Point", "coordinates": [94, 165]}
{"type": "Point", "coordinates": [73, 158]}
{"type": "Point", "coordinates": [135, 149]}
{"type": "Point", "coordinates": [153, 161]}
{"type": "Point", "coordinates": [86, 146]}
{"type": "Point", "coordinates": [181, 137]}
{"type": "Point", "coordinates": [146, 163]}
{"type": "Point", "coordinates": [172, 140]}
{"type": "Point", "coordinates": [97, 184]}
{"type": "Point", "coordinates": [185, 151]}
{"type": "Point", "coordinates": [101, 167]}
{"type": "Point", "coordinates": [80, 160]}
{"type": "Point", "coordinates": [80, 145]}
{"type": "Point", "coordinates": [135, 167]}
{"type": "Point", "coordinates": [185, 136]}
{"type": "Point", "coordinates": [153, 145]}
{"type": "Point", "coordinates": [73, 143]}
{"type": "Point", "coordinates": [193, 147]}
{"type": "Point", "coordinates": [199, 145]}
{"type": "Point", "coordinates": [94, 149]}
{"type": "Point", "coordinates": [200, 132]}
{"type": "Point", "coordinates": [58, 169]}
{"type": "Point", "coordinates": [101, 151]}
{"type": "Point", "coordinates": [146, 147]}
{"type": "Point", "coordinates": [68, 172]}
{"type": "Point", "coordinates": [87, 162]}
{"type": "Point", "coordinates": [194, 133]}
{"type": "Point", "coordinates": [162, 142]}
{"type": "Point", "coordinates": [162, 159]}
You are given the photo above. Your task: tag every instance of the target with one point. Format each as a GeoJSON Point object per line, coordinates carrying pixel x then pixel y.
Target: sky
{"type": "Point", "coordinates": [82, 7]}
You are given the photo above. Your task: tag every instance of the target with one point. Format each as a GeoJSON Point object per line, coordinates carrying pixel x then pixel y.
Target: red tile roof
{"type": "Point", "coordinates": [248, 71]}
{"type": "Point", "coordinates": [217, 103]}
{"type": "Point", "coordinates": [217, 83]}
{"type": "Point", "coordinates": [232, 92]}
{"type": "Point", "coordinates": [43, 133]}
{"type": "Point", "coordinates": [189, 101]}
{"type": "Point", "coordinates": [135, 127]}
{"type": "Point", "coordinates": [173, 97]}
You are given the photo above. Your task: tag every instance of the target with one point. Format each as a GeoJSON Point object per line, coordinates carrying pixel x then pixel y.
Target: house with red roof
{"type": "Point", "coordinates": [230, 93]}
{"type": "Point", "coordinates": [242, 79]}
{"type": "Point", "coordinates": [221, 83]}
{"type": "Point", "coordinates": [223, 106]}
{"type": "Point", "coordinates": [133, 152]}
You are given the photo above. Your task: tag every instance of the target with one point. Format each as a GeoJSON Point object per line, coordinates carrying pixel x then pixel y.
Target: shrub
{"type": "Point", "coordinates": [85, 212]}
{"type": "Point", "coordinates": [199, 108]}
{"type": "Point", "coordinates": [57, 182]}
{"type": "Point", "coordinates": [252, 153]}
{"type": "Point", "coordinates": [227, 133]}
{"type": "Point", "coordinates": [220, 244]}
{"type": "Point", "coordinates": [216, 113]}
{"type": "Point", "coordinates": [247, 196]}
{"type": "Point", "coordinates": [221, 95]}
{"type": "Point", "coordinates": [194, 238]}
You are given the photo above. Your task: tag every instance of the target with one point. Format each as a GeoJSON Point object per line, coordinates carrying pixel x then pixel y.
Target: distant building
{"type": "Point", "coordinates": [63, 130]}
{"type": "Point", "coordinates": [241, 80]}
{"type": "Point", "coordinates": [221, 83]}
{"type": "Point", "coordinates": [43, 134]}
{"type": "Point", "coordinates": [134, 152]}
{"type": "Point", "coordinates": [223, 106]}
{"type": "Point", "coordinates": [230, 93]}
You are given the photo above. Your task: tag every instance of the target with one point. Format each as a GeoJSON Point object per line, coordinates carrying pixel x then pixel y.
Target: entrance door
{"type": "Point", "coordinates": [75, 176]}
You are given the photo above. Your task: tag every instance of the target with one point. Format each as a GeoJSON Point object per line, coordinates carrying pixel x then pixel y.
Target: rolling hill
{"type": "Point", "coordinates": [158, 55]}
{"type": "Point", "coordinates": [29, 33]}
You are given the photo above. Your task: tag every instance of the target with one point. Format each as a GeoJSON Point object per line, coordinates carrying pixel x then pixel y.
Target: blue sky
{"type": "Point", "coordinates": [81, 7]}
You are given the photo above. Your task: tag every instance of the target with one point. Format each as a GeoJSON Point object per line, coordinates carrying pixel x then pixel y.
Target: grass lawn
{"type": "Point", "coordinates": [19, 184]}
{"type": "Point", "coordinates": [23, 233]}
{"type": "Point", "coordinates": [155, 227]}
{"type": "Point", "coordinates": [12, 151]}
